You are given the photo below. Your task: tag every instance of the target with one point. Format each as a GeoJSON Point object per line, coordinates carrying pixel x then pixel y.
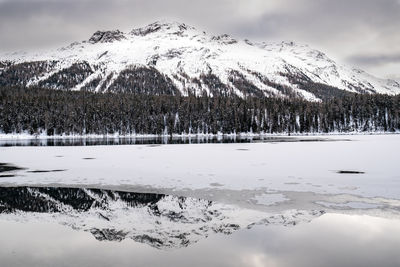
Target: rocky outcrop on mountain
{"type": "Point", "coordinates": [106, 37]}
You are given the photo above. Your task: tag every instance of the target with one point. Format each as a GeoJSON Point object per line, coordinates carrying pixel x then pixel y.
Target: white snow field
{"type": "Point", "coordinates": [300, 175]}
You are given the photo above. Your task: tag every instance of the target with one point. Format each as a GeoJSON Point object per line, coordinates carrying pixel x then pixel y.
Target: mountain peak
{"type": "Point", "coordinates": [162, 26]}
{"type": "Point", "coordinates": [225, 39]}
{"type": "Point", "coordinates": [106, 36]}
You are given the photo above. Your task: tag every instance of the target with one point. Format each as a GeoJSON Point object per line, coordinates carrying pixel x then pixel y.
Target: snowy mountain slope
{"type": "Point", "coordinates": [161, 221]}
{"type": "Point", "coordinates": [173, 58]}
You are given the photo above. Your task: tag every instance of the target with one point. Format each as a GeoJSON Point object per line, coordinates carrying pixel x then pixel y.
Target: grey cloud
{"type": "Point", "coordinates": [326, 19]}
{"type": "Point", "coordinates": [375, 59]}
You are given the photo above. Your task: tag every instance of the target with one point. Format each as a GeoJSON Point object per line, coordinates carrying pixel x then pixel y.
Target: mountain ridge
{"type": "Point", "coordinates": [177, 59]}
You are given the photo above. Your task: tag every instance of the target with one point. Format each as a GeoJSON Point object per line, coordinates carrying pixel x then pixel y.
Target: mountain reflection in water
{"type": "Point", "coordinates": [330, 240]}
{"type": "Point", "coordinates": [161, 221]}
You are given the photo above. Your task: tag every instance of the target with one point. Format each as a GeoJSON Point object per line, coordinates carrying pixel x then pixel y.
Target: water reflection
{"type": "Point", "coordinates": [5, 167]}
{"type": "Point", "coordinates": [8, 170]}
{"type": "Point", "coordinates": [331, 240]}
{"type": "Point", "coordinates": [161, 221]}
{"type": "Point", "coordinates": [154, 141]}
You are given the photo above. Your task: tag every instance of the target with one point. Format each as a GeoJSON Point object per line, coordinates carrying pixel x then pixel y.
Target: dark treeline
{"type": "Point", "coordinates": [53, 112]}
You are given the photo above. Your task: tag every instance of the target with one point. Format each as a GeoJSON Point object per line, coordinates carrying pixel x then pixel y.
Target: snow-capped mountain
{"type": "Point", "coordinates": [161, 221]}
{"type": "Point", "coordinates": [174, 58]}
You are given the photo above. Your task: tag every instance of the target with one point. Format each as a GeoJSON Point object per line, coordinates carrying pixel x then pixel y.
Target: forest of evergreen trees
{"type": "Point", "coordinates": [52, 112]}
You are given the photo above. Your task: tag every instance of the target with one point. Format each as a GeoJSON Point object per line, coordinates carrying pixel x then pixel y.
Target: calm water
{"type": "Point", "coordinates": [156, 141]}
{"type": "Point", "coordinates": [85, 227]}
{"type": "Point", "coordinates": [331, 240]}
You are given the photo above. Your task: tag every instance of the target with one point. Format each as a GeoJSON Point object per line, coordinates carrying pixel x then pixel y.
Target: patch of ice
{"type": "Point", "coordinates": [349, 205]}
{"type": "Point", "coordinates": [270, 199]}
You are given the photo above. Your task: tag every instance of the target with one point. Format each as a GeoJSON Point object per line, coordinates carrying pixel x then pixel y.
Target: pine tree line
{"type": "Point", "coordinates": [36, 110]}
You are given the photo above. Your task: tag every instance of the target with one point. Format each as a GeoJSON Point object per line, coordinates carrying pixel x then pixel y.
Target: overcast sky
{"type": "Point", "coordinates": [363, 33]}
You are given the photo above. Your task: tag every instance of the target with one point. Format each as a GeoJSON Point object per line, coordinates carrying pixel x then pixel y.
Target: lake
{"type": "Point", "coordinates": [299, 201]}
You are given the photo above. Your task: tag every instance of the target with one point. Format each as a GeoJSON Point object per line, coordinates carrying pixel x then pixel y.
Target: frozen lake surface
{"type": "Point", "coordinates": [298, 201]}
